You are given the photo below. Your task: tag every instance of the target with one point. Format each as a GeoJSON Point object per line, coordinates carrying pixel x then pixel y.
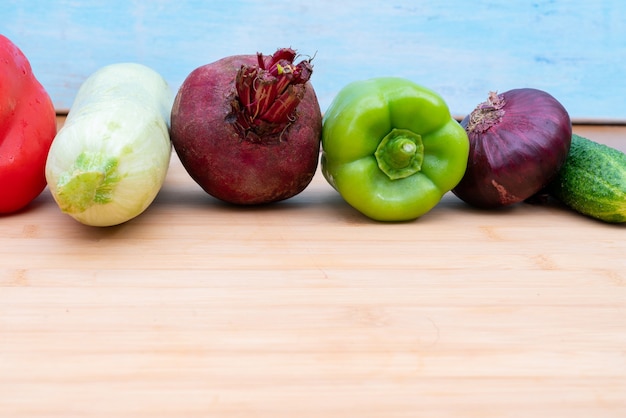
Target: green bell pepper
{"type": "Point", "coordinates": [391, 148]}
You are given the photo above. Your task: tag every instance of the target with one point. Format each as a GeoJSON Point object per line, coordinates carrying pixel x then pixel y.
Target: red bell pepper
{"type": "Point", "coordinates": [27, 128]}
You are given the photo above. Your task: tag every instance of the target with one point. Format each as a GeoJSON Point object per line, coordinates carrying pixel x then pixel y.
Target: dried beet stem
{"type": "Point", "coordinates": [268, 93]}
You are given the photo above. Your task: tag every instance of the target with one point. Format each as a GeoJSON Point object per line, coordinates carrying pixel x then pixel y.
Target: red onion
{"type": "Point", "coordinates": [518, 142]}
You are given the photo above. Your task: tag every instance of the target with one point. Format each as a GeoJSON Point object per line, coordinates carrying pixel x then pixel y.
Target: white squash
{"type": "Point", "coordinates": [109, 160]}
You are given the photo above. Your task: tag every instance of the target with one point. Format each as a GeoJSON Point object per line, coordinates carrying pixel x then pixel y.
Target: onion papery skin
{"type": "Point", "coordinates": [519, 140]}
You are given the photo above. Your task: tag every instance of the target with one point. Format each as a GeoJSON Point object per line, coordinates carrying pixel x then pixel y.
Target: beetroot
{"type": "Point", "coordinates": [247, 128]}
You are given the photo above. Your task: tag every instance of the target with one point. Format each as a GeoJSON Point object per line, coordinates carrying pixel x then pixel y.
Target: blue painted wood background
{"type": "Point", "coordinates": [575, 50]}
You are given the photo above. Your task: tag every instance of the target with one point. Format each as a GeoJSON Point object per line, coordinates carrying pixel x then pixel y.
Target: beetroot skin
{"type": "Point", "coordinates": [247, 128]}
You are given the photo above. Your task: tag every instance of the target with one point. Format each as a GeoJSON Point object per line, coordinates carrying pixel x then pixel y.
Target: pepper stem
{"type": "Point", "coordinates": [400, 153]}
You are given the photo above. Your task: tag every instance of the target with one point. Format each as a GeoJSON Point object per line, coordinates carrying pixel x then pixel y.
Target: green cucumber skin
{"type": "Point", "coordinates": [592, 181]}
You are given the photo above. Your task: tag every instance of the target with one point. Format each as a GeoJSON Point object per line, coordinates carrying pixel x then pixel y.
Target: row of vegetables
{"type": "Point", "coordinates": [249, 130]}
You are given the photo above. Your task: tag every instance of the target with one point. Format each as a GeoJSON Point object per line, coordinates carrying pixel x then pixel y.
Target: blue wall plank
{"type": "Point", "coordinates": [576, 50]}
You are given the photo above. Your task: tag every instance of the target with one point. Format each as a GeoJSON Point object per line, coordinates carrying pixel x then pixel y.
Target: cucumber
{"type": "Point", "coordinates": [592, 181]}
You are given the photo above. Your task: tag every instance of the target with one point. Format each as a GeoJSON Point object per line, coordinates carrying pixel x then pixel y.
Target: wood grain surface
{"type": "Point", "coordinates": [307, 309]}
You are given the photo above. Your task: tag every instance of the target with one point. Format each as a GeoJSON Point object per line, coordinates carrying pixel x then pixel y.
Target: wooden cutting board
{"type": "Point", "coordinates": [307, 309]}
